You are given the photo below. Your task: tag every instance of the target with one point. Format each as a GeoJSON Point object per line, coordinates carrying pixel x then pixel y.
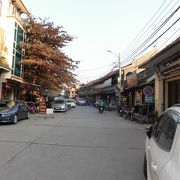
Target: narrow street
{"type": "Point", "coordinates": [81, 144]}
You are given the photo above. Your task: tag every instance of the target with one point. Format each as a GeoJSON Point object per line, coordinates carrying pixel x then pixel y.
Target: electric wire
{"type": "Point", "coordinates": [154, 40]}
{"type": "Point", "coordinates": [135, 51]}
{"type": "Point", "coordinates": [178, 36]}
{"type": "Point", "coordinates": [129, 58]}
{"type": "Point", "coordinates": [137, 40]}
{"type": "Point", "coordinates": [95, 68]}
{"type": "Point", "coordinates": [149, 30]}
{"type": "Point", "coordinates": [147, 24]}
{"type": "Point", "coordinates": [154, 33]}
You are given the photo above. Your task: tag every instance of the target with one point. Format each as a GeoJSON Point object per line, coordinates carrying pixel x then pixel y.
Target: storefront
{"type": "Point", "coordinates": [167, 80]}
{"type": "Point", "coordinates": [173, 92]}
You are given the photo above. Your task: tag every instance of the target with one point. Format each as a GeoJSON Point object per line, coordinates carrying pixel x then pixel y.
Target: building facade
{"type": "Point", "coordinates": [12, 32]}
{"type": "Point", "coordinates": [167, 78]}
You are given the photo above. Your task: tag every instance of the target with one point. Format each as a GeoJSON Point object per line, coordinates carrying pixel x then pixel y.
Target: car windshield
{"type": "Point", "coordinates": [58, 101]}
{"type": "Point", "coordinates": [70, 100]}
{"type": "Point", "coordinates": [8, 104]}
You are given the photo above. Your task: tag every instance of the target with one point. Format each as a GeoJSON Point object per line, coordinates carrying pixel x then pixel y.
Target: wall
{"type": "Point", "coordinates": [159, 95]}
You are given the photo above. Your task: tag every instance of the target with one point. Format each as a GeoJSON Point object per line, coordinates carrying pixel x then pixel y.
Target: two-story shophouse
{"type": "Point", "coordinates": [12, 32]}
{"type": "Point", "coordinates": [166, 64]}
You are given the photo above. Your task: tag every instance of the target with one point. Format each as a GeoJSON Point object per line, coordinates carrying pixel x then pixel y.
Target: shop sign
{"type": "Point", "coordinates": [132, 80]}
{"type": "Point", "coordinates": [148, 91]}
{"type": "Point", "coordinates": [169, 66]}
{"type": "Point", "coordinates": [138, 95]}
{"type": "Point", "coordinates": [144, 75]}
{"type": "Point", "coordinates": [149, 99]}
{"type": "Point", "coordinates": [42, 107]}
{"type": "Point", "coordinates": [105, 84]}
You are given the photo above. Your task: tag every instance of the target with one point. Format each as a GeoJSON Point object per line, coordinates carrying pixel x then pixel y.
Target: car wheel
{"type": "Point", "coordinates": [145, 166]}
{"type": "Point", "coordinates": [15, 119]}
{"type": "Point", "coordinates": [28, 115]}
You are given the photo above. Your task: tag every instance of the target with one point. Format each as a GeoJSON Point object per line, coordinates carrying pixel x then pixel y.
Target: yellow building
{"type": "Point", "coordinates": [133, 85]}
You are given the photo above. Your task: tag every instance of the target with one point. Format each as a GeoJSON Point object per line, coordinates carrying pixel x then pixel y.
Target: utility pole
{"type": "Point", "coordinates": [119, 78]}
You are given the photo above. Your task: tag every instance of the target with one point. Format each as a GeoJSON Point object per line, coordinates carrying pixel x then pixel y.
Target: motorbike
{"type": "Point", "coordinates": [101, 110]}
{"type": "Point", "coordinates": [128, 113]}
{"type": "Point", "coordinates": [121, 111]}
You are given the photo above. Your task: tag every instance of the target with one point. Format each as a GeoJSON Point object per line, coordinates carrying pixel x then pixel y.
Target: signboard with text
{"type": "Point", "coordinates": [132, 80]}
{"type": "Point", "coordinates": [169, 66]}
{"type": "Point", "coordinates": [106, 83]}
{"type": "Point", "coordinates": [149, 99]}
{"type": "Point", "coordinates": [42, 107]}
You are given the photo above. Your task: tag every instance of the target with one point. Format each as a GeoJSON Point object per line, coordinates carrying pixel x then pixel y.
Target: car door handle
{"type": "Point", "coordinates": [154, 166]}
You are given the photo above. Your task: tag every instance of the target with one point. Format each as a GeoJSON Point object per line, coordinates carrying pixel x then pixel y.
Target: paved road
{"type": "Point", "coordinates": [78, 145]}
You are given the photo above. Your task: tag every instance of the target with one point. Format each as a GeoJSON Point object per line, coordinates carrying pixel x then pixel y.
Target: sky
{"type": "Point", "coordinates": [98, 26]}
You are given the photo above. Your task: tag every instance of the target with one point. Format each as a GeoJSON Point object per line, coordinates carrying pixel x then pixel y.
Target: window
{"type": "Point", "coordinates": [158, 126]}
{"type": "Point", "coordinates": [59, 101]}
{"type": "Point", "coordinates": [167, 135]}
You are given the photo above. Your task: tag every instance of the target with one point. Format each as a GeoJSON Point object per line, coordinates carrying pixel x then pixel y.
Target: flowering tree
{"type": "Point", "coordinates": [44, 61]}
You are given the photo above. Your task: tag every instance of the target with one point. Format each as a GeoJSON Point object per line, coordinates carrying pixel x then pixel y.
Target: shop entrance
{"type": "Point", "coordinates": [173, 92]}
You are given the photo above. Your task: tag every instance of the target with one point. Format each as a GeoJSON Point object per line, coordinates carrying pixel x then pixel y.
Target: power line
{"type": "Point", "coordinates": [135, 40]}
{"type": "Point", "coordinates": [141, 38]}
{"type": "Point", "coordinates": [129, 58]}
{"type": "Point", "coordinates": [156, 39]}
{"type": "Point", "coordinates": [148, 31]}
{"type": "Point", "coordinates": [95, 68]}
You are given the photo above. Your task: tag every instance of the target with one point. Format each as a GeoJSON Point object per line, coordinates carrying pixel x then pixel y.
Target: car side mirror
{"type": "Point", "coordinates": [149, 130]}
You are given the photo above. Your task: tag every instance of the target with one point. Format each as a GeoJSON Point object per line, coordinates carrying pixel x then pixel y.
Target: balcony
{"type": "Point", "coordinates": [17, 16]}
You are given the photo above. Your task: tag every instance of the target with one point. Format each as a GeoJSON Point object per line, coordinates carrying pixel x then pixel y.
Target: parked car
{"type": "Point", "coordinates": [71, 103]}
{"type": "Point", "coordinates": [81, 102]}
{"type": "Point", "coordinates": [60, 105]}
{"type": "Point", "coordinates": [162, 147]}
{"type": "Point", "coordinates": [14, 110]}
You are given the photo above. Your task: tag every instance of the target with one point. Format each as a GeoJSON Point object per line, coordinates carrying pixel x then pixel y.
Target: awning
{"type": "Point", "coordinates": [151, 78]}
{"type": "Point", "coordinates": [22, 83]}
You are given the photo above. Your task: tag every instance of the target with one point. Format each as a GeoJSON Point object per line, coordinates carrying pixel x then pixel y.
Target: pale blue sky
{"type": "Point", "coordinates": [98, 25]}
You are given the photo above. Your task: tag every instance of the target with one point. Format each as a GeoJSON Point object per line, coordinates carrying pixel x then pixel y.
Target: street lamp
{"type": "Point", "coordinates": [119, 79]}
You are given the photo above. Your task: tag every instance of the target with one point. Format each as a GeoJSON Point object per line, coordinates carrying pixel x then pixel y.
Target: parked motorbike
{"type": "Point", "coordinates": [131, 111]}
{"type": "Point", "coordinates": [33, 107]}
{"type": "Point", "coordinates": [120, 110]}
{"type": "Point", "coordinates": [128, 113]}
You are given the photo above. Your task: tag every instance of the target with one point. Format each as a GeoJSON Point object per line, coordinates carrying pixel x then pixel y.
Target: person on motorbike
{"type": "Point", "coordinates": [101, 104]}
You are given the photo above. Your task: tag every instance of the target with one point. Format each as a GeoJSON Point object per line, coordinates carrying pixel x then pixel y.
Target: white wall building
{"type": "Point", "coordinates": [12, 32]}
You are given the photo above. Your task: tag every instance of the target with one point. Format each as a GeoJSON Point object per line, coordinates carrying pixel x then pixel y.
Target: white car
{"type": "Point", "coordinates": [71, 103]}
{"type": "Point", "coordinates": [162, 147]}
{"type": "Point", "coordinates": [59, 105]}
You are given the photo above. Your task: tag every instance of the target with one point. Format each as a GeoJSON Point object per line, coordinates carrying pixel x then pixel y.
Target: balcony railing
{"type": "Point", "coordinates": [17, 16]}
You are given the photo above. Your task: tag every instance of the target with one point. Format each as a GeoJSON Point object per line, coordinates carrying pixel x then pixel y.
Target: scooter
{"type": "Point", "coordinates": [101, 110]}
{"type": "Point", "coordinates": [121, 111]}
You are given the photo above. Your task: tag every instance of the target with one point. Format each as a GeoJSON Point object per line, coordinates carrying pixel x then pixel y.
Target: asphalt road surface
{"type": "Point", "coordinates": [81, 144]}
